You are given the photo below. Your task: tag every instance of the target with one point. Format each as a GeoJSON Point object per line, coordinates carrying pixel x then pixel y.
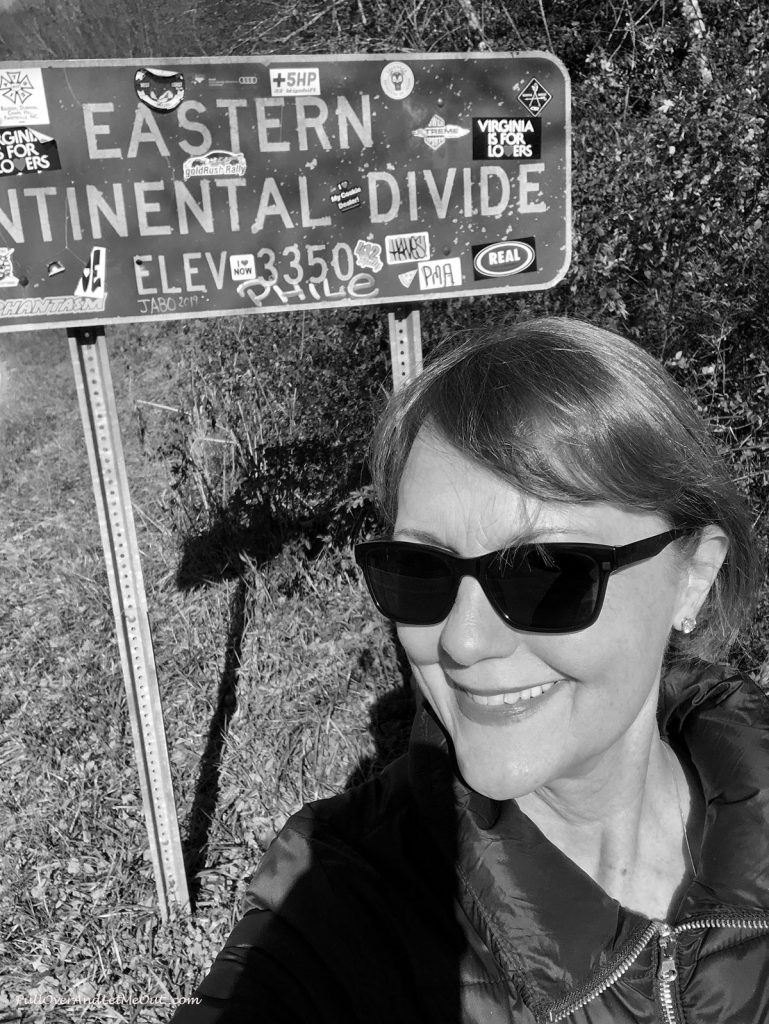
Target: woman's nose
{"type": "Point", "coordinates": [473, 630]}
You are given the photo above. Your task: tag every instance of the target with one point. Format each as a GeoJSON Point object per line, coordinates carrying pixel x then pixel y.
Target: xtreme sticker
{"type": "Point", "coordinates": [534, 97]}
{"type": "Point", "coordinates": [22, 98]}
{"type": "Point", "coordinates": [27, 151]}
{"type": "Point", "coordinates": [294, 82]}
{"type": "Point", "coordinates": [159, 89]}
{"type": "Point", "coordinates": [507, 138]}
{"type": "Point", "coordinates": [214, 164]}
{"type": "Point", "coordinates": [437, 131]}
{"type": "Point", "coordinates": [52, 305]}
{"type": "Point", "coordinates": [503, 259]}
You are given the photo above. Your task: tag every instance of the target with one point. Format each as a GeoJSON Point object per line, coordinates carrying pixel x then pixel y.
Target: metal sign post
{"type": "Point", "coordinates": [405, 345]}
{"type": "Point", "coordinates": [129, 604]}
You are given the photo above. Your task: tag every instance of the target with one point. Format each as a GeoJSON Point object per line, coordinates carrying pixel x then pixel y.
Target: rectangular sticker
{"type": "Point", "coordinates": [507, 138]}
{"type": "Point", "coordinates": [243, 266]}
{"type": "Point", "coordinates": [27, 151]}
{"type": "Point", "coordinates": [440, 274]}
{"type": "Point", "coordinates": [22, 98]}
{"type": "Point", "coordinates": [408, 248]}
{"type": "Point", "coordinates": [294, 81]}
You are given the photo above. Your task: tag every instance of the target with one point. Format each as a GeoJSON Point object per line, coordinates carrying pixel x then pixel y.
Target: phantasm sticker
{"type": "Point", "coordinates": [507, 138]}
{"type": "Point", "coordinates": [27, 151]}
{"type": "Point", "coordinates": [503, 259]}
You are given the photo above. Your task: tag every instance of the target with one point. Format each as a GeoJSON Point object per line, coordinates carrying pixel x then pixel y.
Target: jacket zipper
{"type": "Point", "coordinates": [667, 972]}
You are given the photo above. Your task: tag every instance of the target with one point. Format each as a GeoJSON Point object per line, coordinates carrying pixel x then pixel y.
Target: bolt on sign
{"type": "Point", "coordinates": [220, 186]}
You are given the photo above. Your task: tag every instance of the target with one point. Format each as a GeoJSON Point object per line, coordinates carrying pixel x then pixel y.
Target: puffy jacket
{"type": "Point", "coordinates": [413, 900]}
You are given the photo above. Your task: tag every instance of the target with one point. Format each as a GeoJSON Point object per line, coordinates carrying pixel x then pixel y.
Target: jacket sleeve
{"type": "Point", "coordinates": [319, 940]}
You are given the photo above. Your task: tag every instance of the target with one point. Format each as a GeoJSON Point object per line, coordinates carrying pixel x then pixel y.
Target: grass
{"type": "Point", "coordinates": [270, 681]}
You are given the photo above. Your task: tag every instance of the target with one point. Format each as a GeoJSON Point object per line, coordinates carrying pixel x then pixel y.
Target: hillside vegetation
{"type": "Point", "coordinates": [245, 441]}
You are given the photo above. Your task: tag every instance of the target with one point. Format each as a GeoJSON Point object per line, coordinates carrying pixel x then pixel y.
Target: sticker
{"type": "Point", "coordinates": [368, 256]}
{"type": "Point", "coordinates": [397, 80]}
{"type": "Point", "coordinates": [534, 97]}
{"type": "Point", "coordinates": [346, 196]}
{"type": "Point", "coordinates": [215, 164]}
{"type": "Point", "coordinates": [52, 305]}
{"type": "Point", "coordinates": [407, 277]}
{"type": "Point", "coordinates": [407, 248]}
{"type": "Point", "coordinates": [507, 138]}
{"type": "Point", "coordinates": [27, 151]}
{"type": "Point", "coordinates": [243, 267]}
{"type": "Point", "coordinates": [7, 277]}
{"type": "Point", "coordinates": [503, 259]}
{"type": "Point", "coordinates": [294, 82]}
{"type": "Point", "coordinates": [91, 283]}
{"type": "Point", "coordinates": [437, 131]}
{"type": "Point", "coordinates": [22, 98]}
{"type": "Point", "coordinates": [440, 274]}
{"type": "Point", "coordinates": [55, 267]}
{"type": "Point", "coordinates": [159, 89]}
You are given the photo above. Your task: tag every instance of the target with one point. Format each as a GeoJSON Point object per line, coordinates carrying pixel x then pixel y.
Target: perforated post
{"type": "Point", "coordinates": [405, 345]}
{"type": "Point", "coordinates": [90, 363]}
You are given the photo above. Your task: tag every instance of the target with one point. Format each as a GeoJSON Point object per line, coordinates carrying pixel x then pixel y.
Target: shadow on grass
{"type": "Point", "coordinates": [246, 535]}
{"type": "Point", "coordinates": [209, 558]}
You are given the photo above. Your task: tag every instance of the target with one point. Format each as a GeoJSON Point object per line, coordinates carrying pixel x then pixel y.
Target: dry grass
{"type": "Point", "coordinates": [268, 680]}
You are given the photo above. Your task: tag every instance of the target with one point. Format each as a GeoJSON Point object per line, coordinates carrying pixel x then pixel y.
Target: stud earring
{"type": "Point", "coordinates": [688, 625]}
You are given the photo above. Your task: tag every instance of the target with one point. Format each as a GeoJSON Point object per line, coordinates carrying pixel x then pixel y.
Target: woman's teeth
{"type": "Point", "coordinates": [511, 698]}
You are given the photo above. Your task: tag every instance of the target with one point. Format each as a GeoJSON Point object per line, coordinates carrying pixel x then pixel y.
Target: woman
{"type": "Point", "coordinates": [579, 831]}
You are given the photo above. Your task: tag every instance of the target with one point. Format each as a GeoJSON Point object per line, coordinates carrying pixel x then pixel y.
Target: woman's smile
{"type": "Point", "coordinates": [503, 708]}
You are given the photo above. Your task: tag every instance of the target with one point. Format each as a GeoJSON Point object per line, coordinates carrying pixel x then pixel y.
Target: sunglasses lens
{"type": "Point", "coordinates": [410, 586]}
{"type": "Point", "coordinates": [538, 589]}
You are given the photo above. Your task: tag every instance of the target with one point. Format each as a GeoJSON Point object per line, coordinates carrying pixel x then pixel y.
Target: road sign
{"type": "Point", "coordinates": [209, 187]}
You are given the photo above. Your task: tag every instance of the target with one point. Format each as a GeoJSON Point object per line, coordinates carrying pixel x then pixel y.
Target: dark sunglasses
{"type": "Point", "coordinates": [539, 588]}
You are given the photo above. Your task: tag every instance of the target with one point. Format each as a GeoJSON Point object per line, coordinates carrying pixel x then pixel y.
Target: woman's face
{"type": "Point", "coordinates": [600, 684]}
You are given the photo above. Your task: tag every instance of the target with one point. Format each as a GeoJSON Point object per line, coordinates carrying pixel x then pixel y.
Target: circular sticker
{"type": "Point", "coordinates": [159, 89]}
{"type": "Point", "coordinates": [397, 80]}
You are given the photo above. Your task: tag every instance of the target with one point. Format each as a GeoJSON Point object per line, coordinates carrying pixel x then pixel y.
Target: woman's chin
{"type": "Point", "coordinates": [489, 781]}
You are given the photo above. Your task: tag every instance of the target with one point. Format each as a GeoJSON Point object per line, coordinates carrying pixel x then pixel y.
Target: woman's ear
{"type": "Point", "coordinates": [699, 575]}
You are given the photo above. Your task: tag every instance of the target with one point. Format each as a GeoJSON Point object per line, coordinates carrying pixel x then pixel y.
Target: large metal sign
{"type": "Point", "coordinates": [207, 187]}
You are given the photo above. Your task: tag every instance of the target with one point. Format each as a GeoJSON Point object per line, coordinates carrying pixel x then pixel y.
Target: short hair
{"type": "Point", "coordinates": [566, 411]}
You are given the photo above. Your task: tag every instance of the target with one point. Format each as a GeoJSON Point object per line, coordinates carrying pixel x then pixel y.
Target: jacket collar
{"type": "Point", "coordinates": [544, 918]}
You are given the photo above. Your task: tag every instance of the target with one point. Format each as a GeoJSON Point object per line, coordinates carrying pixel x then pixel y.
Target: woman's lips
{"type": "Point", "coordinates": [501, 707]}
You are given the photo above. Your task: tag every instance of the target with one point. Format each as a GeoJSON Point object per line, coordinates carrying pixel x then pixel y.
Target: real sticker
{"type": "Point", "coordinates": [503, 259]}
